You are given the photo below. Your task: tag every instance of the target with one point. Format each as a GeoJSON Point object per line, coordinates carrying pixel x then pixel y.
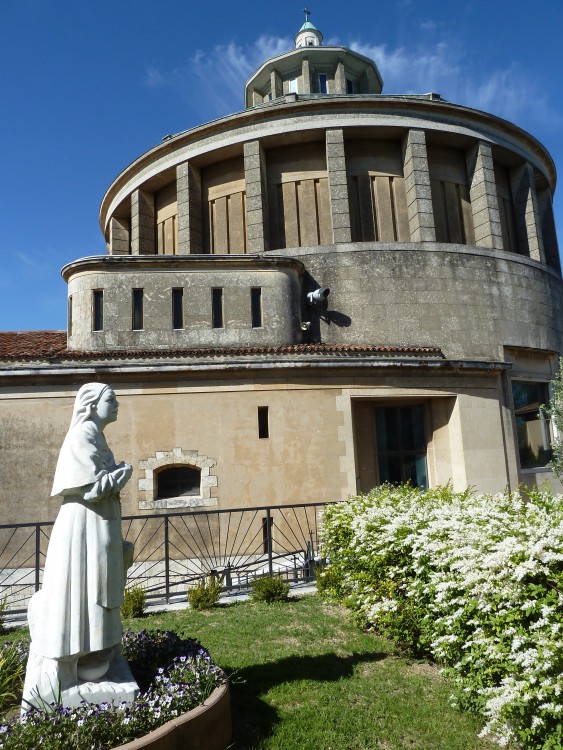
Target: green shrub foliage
{"type": "Point", "coordinates": [13, 660]}
{"type": "Point", "coordinates": [205, 594]}
{"type": "Point", "coordinates": [269, 589]}
{"type": "Point", "coordinates": [475, 581]}
{"type": "Point", "coordinates": [134, 603]}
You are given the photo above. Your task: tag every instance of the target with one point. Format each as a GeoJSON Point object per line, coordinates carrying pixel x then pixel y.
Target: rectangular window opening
{"type": "Point", "coordinates": [177, 308]}
{"type": "Point", "coordinates": [293, 86]}
{"type": "Point", "coordinates": [263, 422]}
{"type": "Point", "coordinates": [349, 86]}
{"type": "Point", "coordinates": [98, 310]}
{"type": "Point", "coordinates": [217, 308]}
{"type": "Point", "coordinates": [401, 445]}
{"type": "Point", "coordinates": [138, 312]}
{"type": "Point", "coordinates": [322, 83]}
{"type": "Point", "coordinates": [532, 424]}
{"type": "Point", "coordinates": [256, 307]}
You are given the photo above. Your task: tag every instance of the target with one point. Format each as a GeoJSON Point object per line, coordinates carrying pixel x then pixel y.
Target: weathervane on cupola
{"type": "Point", "coordinates": [308, 35]}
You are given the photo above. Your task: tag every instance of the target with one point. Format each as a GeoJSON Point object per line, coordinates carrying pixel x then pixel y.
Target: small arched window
{"type": "Point", "coordinates": [177, 481]}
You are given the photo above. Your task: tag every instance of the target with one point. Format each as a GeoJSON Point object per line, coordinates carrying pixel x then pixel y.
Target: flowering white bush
{"type": "Point", "coordinates": [474, 580]}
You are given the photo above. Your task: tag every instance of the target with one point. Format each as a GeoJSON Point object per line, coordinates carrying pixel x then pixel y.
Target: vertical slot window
{"type": "Point", "coordinates": [177, 308]}
{"type": "Point", "coordinates": [98, 310]}
{"type": "Point", "coordinates": [322, 83]}
{"type": "Point", "coordinates": [69, 315]}
{"type": "Point", "coordinates": [256, 307]}
{"type": "Point", "coordinates": [263, 422]}
{"type": "Point", "coordinates": [349, 86]}
{"type": "Point", "coordinates": [293, 86]}
{"type": "Point", "coordinates": [217, 308]}
{"type": "Point", "coordinates": [138, 312]}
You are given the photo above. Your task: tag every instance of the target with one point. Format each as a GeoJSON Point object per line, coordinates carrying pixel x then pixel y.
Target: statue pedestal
{"type": "Point", "coordinates": [56, 680]}
{"type": "Point", "coordinates": [115, 686]}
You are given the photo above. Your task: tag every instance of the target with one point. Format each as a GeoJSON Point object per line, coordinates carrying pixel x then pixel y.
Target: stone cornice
{"type": "Point", "coordinates": [120, 263]}
{"type": "Point", "coordinates": [321, 112]}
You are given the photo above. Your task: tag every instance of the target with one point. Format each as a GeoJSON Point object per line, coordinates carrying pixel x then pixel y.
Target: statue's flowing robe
{"type": "Point", "coordinates": [83, 581]}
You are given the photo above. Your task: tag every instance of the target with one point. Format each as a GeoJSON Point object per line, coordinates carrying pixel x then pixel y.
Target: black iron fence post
{"type": "Point", "coordinates": [166, 561]}
{"type": "Point", "coordinates": [269, 538]}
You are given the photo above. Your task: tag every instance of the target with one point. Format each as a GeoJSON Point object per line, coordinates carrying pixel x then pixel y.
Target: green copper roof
{"type": "Point", "coordinates": [306, 26]}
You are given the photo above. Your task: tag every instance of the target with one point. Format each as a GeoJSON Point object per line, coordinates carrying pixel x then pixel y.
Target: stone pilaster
{"type": "Point", "coordinates": [339, 79]}
{"type": "Point", "coordinates": [527, 213]}
{"type": "Point", "coordinates": [483, 195]}
{"type": "Point", "coordinates": [188, 185]}
{"type": "Point", "coordinates": [276, 84]}
{"type": "Point", "coordinates": [338, 186]}
{"type": "Point", "coordinates": [306, 76]}
{"type": "Point", "coordinates": [143, 223]}
{"type": "Point", "coordinates": [417, 185]}
{"type": "Point", "coordinates": [119, 243]}
{"type": "Point", "coordinates": [257, 226]}
{"type": "Point", "coordinates": [548, 229]}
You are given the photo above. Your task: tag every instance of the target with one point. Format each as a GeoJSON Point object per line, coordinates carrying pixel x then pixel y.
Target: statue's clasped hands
{"type": "Point", "coordinates": [121, 475]}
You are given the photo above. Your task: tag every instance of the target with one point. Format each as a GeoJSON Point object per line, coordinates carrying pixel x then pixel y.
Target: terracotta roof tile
{"type": "Point", "coordinates": [20, 345]}
{"type": "Point", "coordinates": [16, 344]}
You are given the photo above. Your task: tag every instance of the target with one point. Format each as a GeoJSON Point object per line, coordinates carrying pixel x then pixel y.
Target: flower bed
{"type": "Point", "coordinates": [476, 581]}
{"type": "Point", "coordinates": [188, 678]}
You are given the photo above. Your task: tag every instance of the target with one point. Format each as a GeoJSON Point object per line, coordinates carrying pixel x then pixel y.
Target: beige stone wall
{"type": "Point", "coordinates": [313, 454]}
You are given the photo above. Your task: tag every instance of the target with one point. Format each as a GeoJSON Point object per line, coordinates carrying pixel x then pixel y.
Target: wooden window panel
{"type": "Point", "coordinates": [290, 214]}
{"type": "Point", "coordinates": [453, 213]}
{"type": "Point", "coordinates": [365, 200]}
{"type": "Point", "coordinates": [439, 207]}
{"type": "Point", "coordinates": [220, 226]}
{"type": "Point", "coordinates": [467, 214]}
{"type": "Point", "coordinates": [308, 217]}
{"type": "Point", "coordinates": [384, 209]}
{"type": "Point", "coordinates": [401, 212]}
{"type": "Point", "coordinates": [236, 225]}
{"type": "Point", "coordinates": [323, 207]}
{"type": "Point", "coordinates": [274, 217]}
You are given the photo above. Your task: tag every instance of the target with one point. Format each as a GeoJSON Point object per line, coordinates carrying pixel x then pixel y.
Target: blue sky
{"type": "Point", "coordinates": [88, 86]}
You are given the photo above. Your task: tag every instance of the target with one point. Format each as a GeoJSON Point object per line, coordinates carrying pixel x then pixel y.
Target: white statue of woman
{"type": "Point", "coordinates": [74, 620]}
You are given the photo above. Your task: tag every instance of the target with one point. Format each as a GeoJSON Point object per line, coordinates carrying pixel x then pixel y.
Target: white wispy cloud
{"type": "Point", "coordinates": [213, 80]}
{"type": "Point", "coordinates": [31, 262]}
{"type": "Point", "coordinates": [450, 71]}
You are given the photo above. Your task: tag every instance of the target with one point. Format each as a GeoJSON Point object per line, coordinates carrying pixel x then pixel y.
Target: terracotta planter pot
{"type": "Point", "coordinates": [207, 727]}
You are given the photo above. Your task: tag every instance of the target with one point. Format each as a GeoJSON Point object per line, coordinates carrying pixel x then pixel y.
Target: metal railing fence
{"type": "Point", "coordinates": [174, 551]}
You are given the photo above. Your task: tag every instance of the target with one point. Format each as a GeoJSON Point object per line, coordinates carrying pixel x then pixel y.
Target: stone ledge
{"type": "Point", "coordinates": [207, 727]}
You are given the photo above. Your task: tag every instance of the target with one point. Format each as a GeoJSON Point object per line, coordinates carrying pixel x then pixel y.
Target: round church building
{"type": "Point", "coordinates": [328, 290]}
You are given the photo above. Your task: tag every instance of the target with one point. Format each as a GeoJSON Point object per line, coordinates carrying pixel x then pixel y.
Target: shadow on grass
{"type": "Point", "coordinates": [253, 718]}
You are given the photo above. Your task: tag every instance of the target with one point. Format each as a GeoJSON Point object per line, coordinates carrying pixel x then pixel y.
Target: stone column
{"type": "Point", "coordinates": [188, 185]}
{"type": "Point", "coordinates": [257, 225]}
{"type": "Point", "coordinates": [143, 223]}
{"type": "Point", "coordinates": [338, 186]}
{"type": "Point", "coordinates": [483, 195]}
{"type": "Point", "coordinates": [549, 233]}
{"type": "Point", "coordinates": [276, 84]}
{"type": "Point", "coordinates": [339, 79]}
{"type": "Point", "coordinates": [119, 236]}
{"type": "Point", "coordinates": [417, 185]}
{"type": "Point", "coordinates": [306, 76]}
{"type": "Point", "coordinates": [527, 213]}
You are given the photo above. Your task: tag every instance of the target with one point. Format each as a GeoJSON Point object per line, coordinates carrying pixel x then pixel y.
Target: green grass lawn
{"type": "Point", "coordinates": [304, 678]}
